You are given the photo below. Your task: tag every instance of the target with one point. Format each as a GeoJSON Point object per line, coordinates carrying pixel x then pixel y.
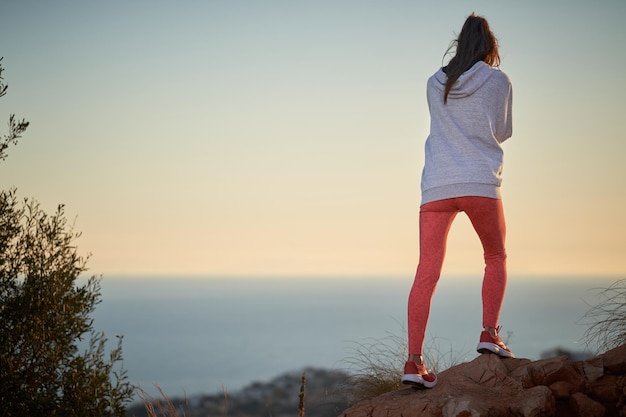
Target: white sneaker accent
{"type": "Point", "coordinates": [416, 379]}
{"type": "Point", "coordinates": [492, 347]}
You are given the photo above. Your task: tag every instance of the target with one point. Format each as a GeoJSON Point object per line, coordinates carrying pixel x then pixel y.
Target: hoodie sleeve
{"type": "Point", "coordinates": [503, 109]}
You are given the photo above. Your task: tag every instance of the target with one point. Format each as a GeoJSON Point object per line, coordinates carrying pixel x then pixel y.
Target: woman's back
{"type": "Point", "coordinates": [463, 153]}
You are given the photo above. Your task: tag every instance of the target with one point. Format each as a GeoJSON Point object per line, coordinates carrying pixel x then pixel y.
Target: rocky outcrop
{"type": "Point", "coordinates": [499, 387]}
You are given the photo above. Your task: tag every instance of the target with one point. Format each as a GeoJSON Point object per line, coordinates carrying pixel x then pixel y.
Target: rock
{"type": "Point", "coordinates": [615, 360]}
{"type": "Point", "coordinates": [507, 387]}
{"type": "Point", "coordinates": [593, 369]}
{"type": "Point", "coordinates": [584, 406]}
{"type": "Point", "coordinates": [607, 389]}
{"type": "Point", "coordinates": [535, 402]}
{"type": "Point", "coordinates": [548, 371]}
{"type": "Point", "coordinates": [562, 389]}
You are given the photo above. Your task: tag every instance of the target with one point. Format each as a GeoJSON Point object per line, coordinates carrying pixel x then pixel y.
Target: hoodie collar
{"type": "Point", "coordinates": [470, 81]}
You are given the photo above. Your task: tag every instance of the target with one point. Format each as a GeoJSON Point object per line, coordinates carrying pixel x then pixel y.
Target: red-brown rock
{"type": "Point", "coordinates": [562, 389]}
{"type": "Point", "coordinates": [615, 360]}
{"type": "Point", "coordinates": [584, 406]}
{"type": "Point", "coordinates": [607, 389]}
{"type": "Point", "coordinates": [493, 386]}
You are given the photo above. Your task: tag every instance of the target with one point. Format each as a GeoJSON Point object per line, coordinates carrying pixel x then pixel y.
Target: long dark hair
{"type": "Point", "coordinates": [475, 43]}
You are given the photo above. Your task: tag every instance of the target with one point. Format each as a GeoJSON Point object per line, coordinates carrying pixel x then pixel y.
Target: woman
{"type": "Point", "coordinates": [470, 109]}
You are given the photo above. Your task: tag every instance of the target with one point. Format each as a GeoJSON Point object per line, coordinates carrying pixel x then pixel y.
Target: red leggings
{"type": "Point", "coordinates": [487, 217]}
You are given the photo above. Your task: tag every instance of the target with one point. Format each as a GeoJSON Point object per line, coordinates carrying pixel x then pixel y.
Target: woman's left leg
{"type": "Point", "coordinates": [435, 220]}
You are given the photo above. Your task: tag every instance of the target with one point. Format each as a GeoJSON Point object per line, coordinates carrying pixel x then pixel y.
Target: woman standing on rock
{"type": "Point", "coordinates": [470, 110]}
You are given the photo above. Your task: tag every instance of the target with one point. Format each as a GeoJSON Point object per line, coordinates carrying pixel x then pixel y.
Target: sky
{"type": "Point", "coordinates": [285, 138]}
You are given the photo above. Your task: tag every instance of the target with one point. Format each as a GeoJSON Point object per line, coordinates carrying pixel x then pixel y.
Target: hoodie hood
{"type": "Point", "coordinates": [470, 81]}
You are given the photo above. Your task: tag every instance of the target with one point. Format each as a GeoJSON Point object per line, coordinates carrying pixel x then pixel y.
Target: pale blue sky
{"type": "Point", "coordinates": [284, 137]}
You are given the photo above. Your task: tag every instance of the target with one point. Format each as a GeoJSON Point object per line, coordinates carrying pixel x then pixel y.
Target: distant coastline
{"type": "Point", "coordinates": [280, 325]}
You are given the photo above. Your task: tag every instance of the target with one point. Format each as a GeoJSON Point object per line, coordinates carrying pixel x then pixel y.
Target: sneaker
{"type": "Point", "coordinates": [490, 344]}
{"type": "Point", "coordinates": [418, 376]}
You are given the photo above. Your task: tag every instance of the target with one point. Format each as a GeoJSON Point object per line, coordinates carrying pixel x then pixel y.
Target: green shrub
{"type": "Point", "coordinates": [44, 315]}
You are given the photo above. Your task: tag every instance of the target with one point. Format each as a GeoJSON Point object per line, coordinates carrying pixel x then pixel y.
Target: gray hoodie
{"type": "Point", "coordinates": [463, 151]}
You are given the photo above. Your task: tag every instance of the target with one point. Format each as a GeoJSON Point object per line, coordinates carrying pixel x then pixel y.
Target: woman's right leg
{"type": "Point", "coordinates": [435, 221]}
{"type": "Point", "coordinates": [487, 216]}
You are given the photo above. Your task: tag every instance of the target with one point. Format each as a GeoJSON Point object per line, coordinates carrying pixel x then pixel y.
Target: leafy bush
{"type": "Point", "coordinates": [44, 315]}
{"type": "Point", "coordinates": [16, 127]}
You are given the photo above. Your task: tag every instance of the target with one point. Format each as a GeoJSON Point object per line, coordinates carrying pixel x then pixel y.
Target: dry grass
{"type": "Point", "coordinates": [375, 368]}
{"type": "Point", "coordinates": [377, 365]}
{"type": "Point", "coordinates": [302, 395]}
{"type": "Point", "coordinates": [159, 407]}
{"type": "Point", "coordinates": [607, 318]}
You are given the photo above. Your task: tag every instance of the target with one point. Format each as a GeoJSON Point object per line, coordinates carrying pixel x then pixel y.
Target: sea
{"type": "Point", "coordinates": [204, 335]}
